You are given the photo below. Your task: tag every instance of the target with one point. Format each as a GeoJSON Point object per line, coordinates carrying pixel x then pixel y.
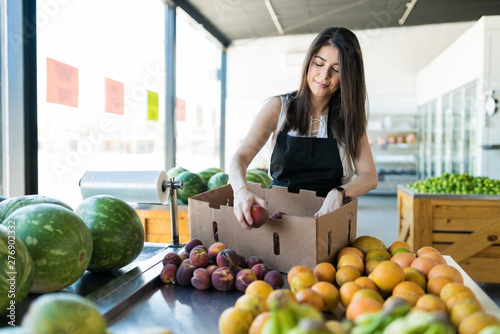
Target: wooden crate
{"type": "Point", "coordinates": [157, 224]}
{"type": "Point", "coordinates": [466, 227]}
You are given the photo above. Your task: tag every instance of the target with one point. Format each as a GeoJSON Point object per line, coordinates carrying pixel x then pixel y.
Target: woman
{"type": "Point", "coordinates": [318, 132]}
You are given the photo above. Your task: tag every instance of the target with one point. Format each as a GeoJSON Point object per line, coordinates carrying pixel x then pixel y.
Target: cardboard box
{"type": "Point", "coordinates": [297, 239]}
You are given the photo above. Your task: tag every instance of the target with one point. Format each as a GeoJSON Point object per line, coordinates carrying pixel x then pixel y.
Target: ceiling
{"type": "Point", "coordinates": [229, 20]}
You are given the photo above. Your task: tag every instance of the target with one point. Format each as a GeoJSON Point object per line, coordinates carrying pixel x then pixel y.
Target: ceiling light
{"type": "Point", "coordinates": [271, 11]}
{"type": "Point", "coordinates": [409, 7]}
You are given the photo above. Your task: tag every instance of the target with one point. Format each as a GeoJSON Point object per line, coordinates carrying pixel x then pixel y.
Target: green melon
{"type": "Point", "coordinates": [258, 176]}
{"type": "Point", "coordinates": [12, 204]}
{"type": "Point", "coordinates": [193, 184]}
{"type": "Point", "coordinates": [174, 171]}
{"type": "Point", "coordinates": [116, 229]}
{"type": "Point", "coordinates": [17, 270]}
{"type": "Point", "coordinates": [217, 180]}
{"type": "Point", "coordinates": [64, 313]}
{"type": "Point", "coordinates": [59, 243]}
{"type": "Point", "coordinates": [206, 174]}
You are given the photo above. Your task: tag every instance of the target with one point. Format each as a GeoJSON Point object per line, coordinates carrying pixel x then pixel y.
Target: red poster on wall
{"type": "Point", "coordinates": [62, 83]}
{"type": "Point", "coordinates": [115, 96]}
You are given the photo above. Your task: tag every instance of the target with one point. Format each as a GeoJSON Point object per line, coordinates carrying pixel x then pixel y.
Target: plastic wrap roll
{"type": "Point", "coordinates": [130, 186]}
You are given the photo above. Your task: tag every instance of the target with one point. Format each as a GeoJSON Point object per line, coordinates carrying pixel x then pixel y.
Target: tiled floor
{"type": "Point", "coordinates": [378, 216]}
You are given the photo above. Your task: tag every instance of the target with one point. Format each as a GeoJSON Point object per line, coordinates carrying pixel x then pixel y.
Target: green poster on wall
{"type": "Point", "coordinates": [152, 106]}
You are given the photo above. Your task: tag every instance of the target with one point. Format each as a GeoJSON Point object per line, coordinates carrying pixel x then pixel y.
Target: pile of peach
{"type": "Point", "coordinates": [217, 266]}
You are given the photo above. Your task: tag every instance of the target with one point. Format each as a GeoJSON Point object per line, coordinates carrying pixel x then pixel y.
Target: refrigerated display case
{"type": "Point", "coordinates": [394, 142]}
{"type": "Point", "coordinates": [457, 97]}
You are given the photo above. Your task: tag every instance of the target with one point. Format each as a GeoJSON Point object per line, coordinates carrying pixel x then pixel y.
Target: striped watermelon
{"type": "Point", "coordinates": [64, 313]}
{"type": "Point", "coordinates": [259, 176]}
{"type": "Point", "coordinates": [217, 180]}
{"type": "Point", "coordinates": [174, 171]}
{"type": "Point", "coordinates": [117, 231]}
{"type": "Point", "coordinates": [193, 184]}
{"type": "Point", "coordinates": [12, 204]}
{"type": "Point", "coordinates": [59, 243]}
{"type": "Point", "coordinates": [206, 174]}
{"type": "Point", "coordinates": [14, 258]}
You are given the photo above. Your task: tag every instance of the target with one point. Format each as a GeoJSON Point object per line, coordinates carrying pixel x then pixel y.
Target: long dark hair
{"type": "Point", "coordinates": [347, 105]}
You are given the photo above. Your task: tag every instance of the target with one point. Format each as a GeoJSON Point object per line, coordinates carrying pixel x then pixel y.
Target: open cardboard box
{"type": "Point", "coordinates": [297, 239]}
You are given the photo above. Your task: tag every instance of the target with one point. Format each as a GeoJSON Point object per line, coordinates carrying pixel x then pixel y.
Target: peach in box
{"type": "Point", "coordinates": [223, 279]}
{"type": "Point", "coordinates": [259, 215]}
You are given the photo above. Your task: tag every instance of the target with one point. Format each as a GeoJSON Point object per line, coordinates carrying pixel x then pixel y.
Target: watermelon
{"type": "Point", "coordinates": [193, 184]}
{"type": "Point", "coordinates": [206, 174]}
{"type": "Point", "coordinates": [12, 204]}
{"type": "Point", "coordinates": [218, 180]}
{"type": "Point", "coordinates": [64, 312]}
{"type": "Point", "coordinates": [117, 231]}
{"type": "Point", "coordinates": [59, 242]}
{"type": "Point", "coordinates": [258, 176]}
{"type": "Point", "coordinates": [14, 258]}
{"type": "Point", "coordinates": [174, 171]}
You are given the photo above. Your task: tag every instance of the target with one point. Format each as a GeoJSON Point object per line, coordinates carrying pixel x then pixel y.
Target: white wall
{"type": "Point", "coordinates": [260, 68]}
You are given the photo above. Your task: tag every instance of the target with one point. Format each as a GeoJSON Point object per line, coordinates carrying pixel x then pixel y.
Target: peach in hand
{"type": "Point", "coordinates": [259, 215]}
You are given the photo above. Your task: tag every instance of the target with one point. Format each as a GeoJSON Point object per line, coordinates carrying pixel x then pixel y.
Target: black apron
{"type": "Point", "coordinates": [306, 163]}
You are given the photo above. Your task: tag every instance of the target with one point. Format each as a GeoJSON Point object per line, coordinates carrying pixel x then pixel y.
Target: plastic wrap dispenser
{"type": "Point", "coordinates": [141, 187]}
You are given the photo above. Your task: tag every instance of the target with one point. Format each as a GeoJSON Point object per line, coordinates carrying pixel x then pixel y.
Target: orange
{"type": "Point", "coordinates": [424, 264]}
{"type": "Point", "coordinates": [350, 249]}
{"type": "Point", "coordinates": [367, 242]}
{"type": "Point", "coordinates": [351, 259]}
{"type": "Point", "coordinates": [438, 257]}
{"type": "Point", "coordinates": [403, 259]}
{"type": "Point", "coordinates": [462, 309]}
{"type": "Point", "coordinates": [311, 297]}
{"type": "Point", "coordinates": [259, 287]}
{"type": "Point", "coordinates": [453, 288]}
{"type": "Point", "coordinates": [369, 293]}
{"type": "Point", "coordinates": [234, 320]}
{"type": "Point", "coordinates": [435, 284]}
{"type": "Point", "coordinates": [446, 270]}
{"type": "Point", "coordinates": [325, 271]}
{"type": "Point", "coordinates": [295, 270]}
{"type": "Point", "coordinates": [366, 283]}
{"type": "Point", "coordinates": [253, 303]}
{"type": "Point", "coordinates": [399, 244]}
{"type": "Point", "coordinates": [400, 250]}
{"type": "Point", "coordinates": [346, 274]}
{"type": "Point", "coordinates": [475, 322]}
{"type": "Point", "coordinates": [450, 302]}
{"type": "Point", "coordinates": [408, 290]}
{"type": "Point", "coordinates": [329, 293]}
{"type": "Point", "coordinates": [258, 323]}
{"type": "Point", "coordinates": [302, 280]}
{"type": "Point", "coordinates": [371, 264]}
{"type": "Point", "coordinates": [431, 303]}
{"type": "Point", "coordinates": [426, 249]}
{"type": "Point", "coordinates": [377, 253]}
{"type": "Point", "coordinates": [362, 306]}
{"type": "Point", "coordinates": [387, 275]}
{"type": "Point", "coordinates": [414, 275]}
{"type": "Point", "coordinates": [346, 291]}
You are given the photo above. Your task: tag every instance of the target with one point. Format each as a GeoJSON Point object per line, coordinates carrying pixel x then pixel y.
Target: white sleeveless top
{"type": "Point", "coordinates": [322, 132]}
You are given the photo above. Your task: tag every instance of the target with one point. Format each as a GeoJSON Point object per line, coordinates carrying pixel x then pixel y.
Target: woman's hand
{"type": "Point", "coordinates": [333, 201]}
{"type": "Point", "coordinates": [242, 203]}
